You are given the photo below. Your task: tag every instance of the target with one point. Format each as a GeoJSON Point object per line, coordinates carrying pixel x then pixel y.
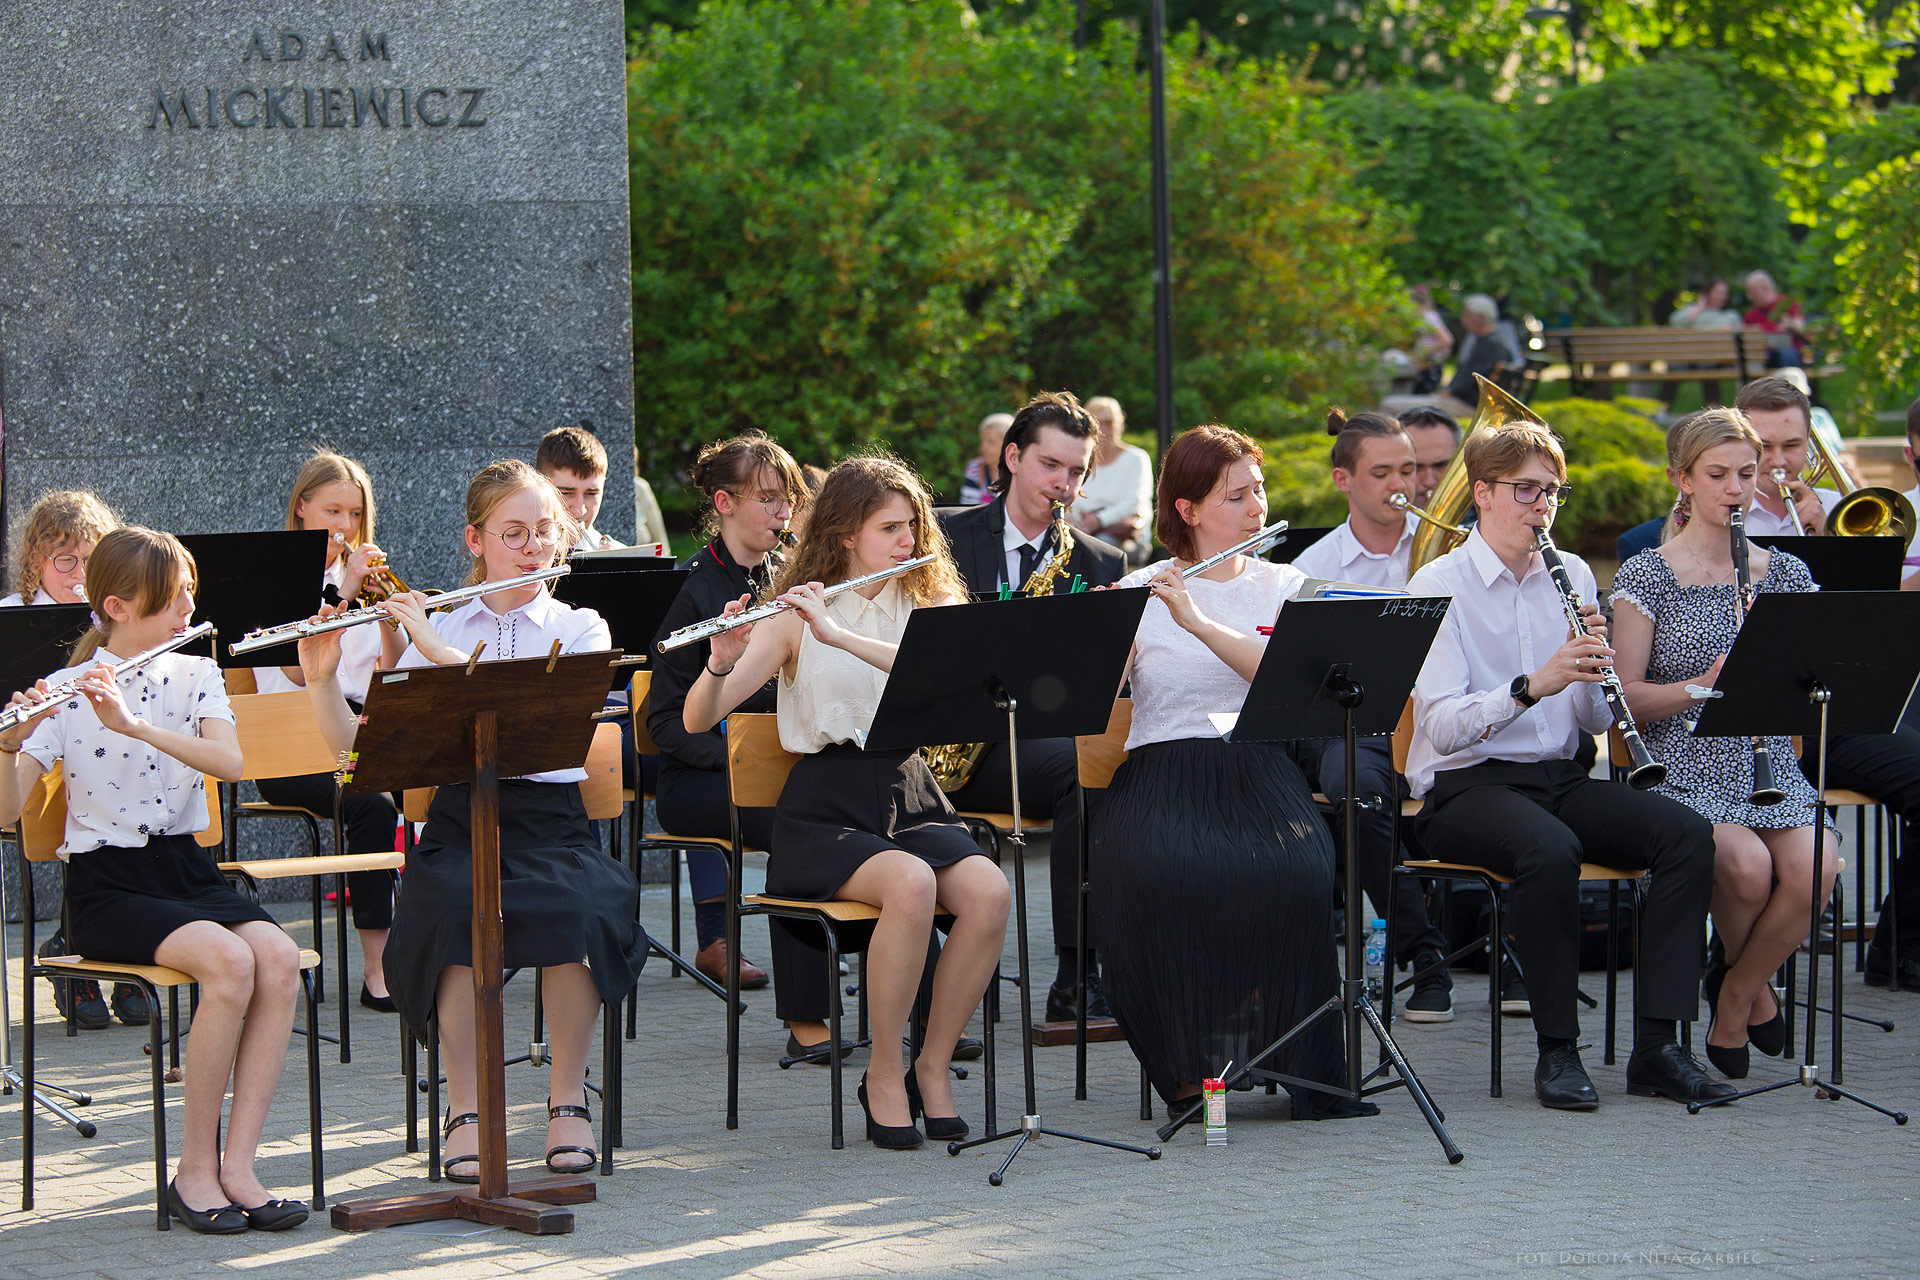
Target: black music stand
{"type": "Point", "coordinates": [35, 641]}
{"type": "Point", "coordinates": [246, 581]}
{"type": "Point", "coordinates": [1844, 564]}
{"type": "Point", "coordinates": [1297, 540]}
{"type": "Point", "coordinates": [1816, 664]}
{"type": "Point", "coordinates": [619, 560]}
{"type": "Point", "coordinates": [433, 726]}
{"type": "Point", "coordinates": [985, 673]}
{"type": "Point", "coordinates": [1341, 668]}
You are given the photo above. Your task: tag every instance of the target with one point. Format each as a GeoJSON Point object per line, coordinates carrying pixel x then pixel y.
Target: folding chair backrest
{"type": "Point", "coordinates": [637, 699]}
{"type": "Point", "coordinates": [415, 802]}
{"type": "Point", "coordinates": [43, 822]}
{"type": "Point", "coordinates": [280, 735]}
{"type": "Point", "coordinates": [601, 793]}
{"type": "Point", "coordinates": [1099, 755]}
{"type": "Point", "coordinates": [757, 765]}
{"type": "Point", "coordinates": [1403, 738]}
{"type": "Point", "coordinates": [241, 680]}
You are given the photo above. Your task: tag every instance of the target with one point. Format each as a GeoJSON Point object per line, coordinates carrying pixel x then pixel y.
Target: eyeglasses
{"type": "Point", "coordinates": [773, 502]}
{"type": "Point", "coordinates": [1526, 492]}
{"type": "Point", "coordinates": [67, 562]}
{"type": "Point", "coordinates": [518, 537]}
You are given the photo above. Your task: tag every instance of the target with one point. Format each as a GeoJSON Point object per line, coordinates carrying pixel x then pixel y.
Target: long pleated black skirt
{"type": "Point", "coordinates": [842, 805]}
{"type": "Point", "coordinates": [1214, 905]}
{"type": "Point", "coordinates": [563, 901]}
{"type": "Point", "coordinates": [122, 903]}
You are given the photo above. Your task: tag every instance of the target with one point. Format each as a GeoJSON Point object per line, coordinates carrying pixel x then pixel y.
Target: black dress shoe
{"type": "Point", "coordinates": [381, 1004]}
{"type": "Point", "coordinates": [1561, 1082]}
{"type": "Point", "coordinates": [226, 1220]}
{"type": "Point", "coordinates": [1879, 973]}
{"type": "Point", "coordinates": [275, 1215]}
{"type": "Point", "coordinates": [888, 1137]}
{"type": "Point", "coordinates": [1063, 1001]}
{"type": "Point", "coordinates": [815, 1053]}
{"type": "Point", "coordinates": [1668, 1071]}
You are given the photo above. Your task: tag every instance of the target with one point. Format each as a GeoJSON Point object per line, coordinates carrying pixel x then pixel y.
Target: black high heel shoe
{"type": "Point", "coordinates": [227, 1220]}
{"type": "Point", "coordinates": [889, 1137]}
{"type": "Point", "coordinates": [939, 1128]}
{"type": "Point", "coordinates": [446, 1165]}
{"type": "Point", "coordinates": [1770, 1037]}
{"type": "Point", "coordinates": [1731, 1063]}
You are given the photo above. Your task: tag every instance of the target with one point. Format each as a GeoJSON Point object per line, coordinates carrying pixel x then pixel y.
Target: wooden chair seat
{"type": "Point", "coordinates": [1840, 797]}
{"type": "Point", "coordinates": [158, 975]}
{"type": "Point", "coordinates": [1588, 870]}
{"type": "Point", "coordinates": [839, 910]}
{"type": "Point", "coordinates": [688, 842]}
{"type": "Point", "coordinates": [1003, 822]}
{"type": "Point", "coordinates": [324, 865]}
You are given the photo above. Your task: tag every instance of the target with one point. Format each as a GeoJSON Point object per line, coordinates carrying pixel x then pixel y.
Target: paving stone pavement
{"type": "Point", "coordinates": [1788, 1186]}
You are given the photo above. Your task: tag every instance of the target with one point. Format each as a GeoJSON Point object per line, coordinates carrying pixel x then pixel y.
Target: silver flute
{"type": "Point", "coordinates": [67, 690]}
{"type": "Point", "coordinates": [268, 636]}
{"type": "Point", "coordinates": [1258, 544]}
{"type": "Point", "coordinates": [761, 612]}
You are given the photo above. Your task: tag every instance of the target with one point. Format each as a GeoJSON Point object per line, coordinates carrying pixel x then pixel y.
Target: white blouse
{"type": "Point", "coordinates": [120, 790]}
{"type": "Point", "coordinates": [526, 632]}
{"type": "Point", "coordinates": [39, 597]}
{"type": "Point", "coordinates": [1177, 681]}
{"type": "Point", "coordinates": [359, 652]}
{"type": "Point", "coordinates": [833, 695]}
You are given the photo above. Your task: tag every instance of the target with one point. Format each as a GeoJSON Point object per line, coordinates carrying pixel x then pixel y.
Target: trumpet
{"type": "Point", "coordinates": [706, 630]}
{"type": "Point", "coordinates": [1455, 533]}
{"type": "Point", "coordinates": [1645, 771]}
{"type": "Point", "coordinates": [60, 694]}
{"type": "Point", "coordinates": [267, 636]}
{"type": "Point", "coordinates": [1764, 791]}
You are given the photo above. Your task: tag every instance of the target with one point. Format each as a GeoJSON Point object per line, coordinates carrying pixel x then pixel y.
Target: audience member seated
{"type": "Point", "coordinates": [1709, 310]}
{"type": "Point", "coordinates": [1116, 499]}
{"type": "Point", "coordinates": [1781, 317]}
{"type": "Point", "coordinates": [983, 469]}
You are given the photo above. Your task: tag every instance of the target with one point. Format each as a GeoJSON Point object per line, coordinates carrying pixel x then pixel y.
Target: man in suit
{"type": "Point", "coordinates": [1048, 452]}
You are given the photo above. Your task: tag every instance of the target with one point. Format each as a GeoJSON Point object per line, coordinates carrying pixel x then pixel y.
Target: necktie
{"type": "Point", "coordinates": [1029, 557]}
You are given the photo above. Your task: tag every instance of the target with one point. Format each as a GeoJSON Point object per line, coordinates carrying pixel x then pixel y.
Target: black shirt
{"type": "Point", "coordinates": [716, 581]}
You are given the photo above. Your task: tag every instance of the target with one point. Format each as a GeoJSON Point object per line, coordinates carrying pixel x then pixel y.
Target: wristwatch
{"type": "Point", "coordinates": [1519, 690]}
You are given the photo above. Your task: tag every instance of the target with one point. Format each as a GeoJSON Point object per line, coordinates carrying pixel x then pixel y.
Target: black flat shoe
{"type": "Point", "coordinates": [815, 1053]}
{"type": "Point", "coordinates": [380, 1004]}
{"type": "Point", "coordinates": [275, 1215]}
{"type": "Point", "coordinates": [939, 1128]}
{"type": "Point", "coordinates": [227, 1220]}
{"type": "Point", "coordinates": [567, 1111]}
{"type": "Point", "coordinates": [1560, 1081]}
{"type": "Point", "coordinates": [446, 1166]}
{"type": "Point", "coordinates": [1668, 1071]}
{"type": "Point", "coordinates": [1770, 1037]}
{"type": "Point", "coordinates": [888, 1137]}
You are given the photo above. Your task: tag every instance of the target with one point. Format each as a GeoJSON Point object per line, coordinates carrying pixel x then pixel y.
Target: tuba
{"type": "Point", "coordinates": [1440, 528]}
{"type": "Point", "coordinates": [1864, 511]}
{"type": "Point", "coordinates": [953, 766]}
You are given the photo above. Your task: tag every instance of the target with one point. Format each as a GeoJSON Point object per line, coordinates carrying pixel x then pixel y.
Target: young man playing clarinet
{"type": "Point", "coordinates": [1499, 708]}
{"type": "Point", "coordinates": [1046, 454]}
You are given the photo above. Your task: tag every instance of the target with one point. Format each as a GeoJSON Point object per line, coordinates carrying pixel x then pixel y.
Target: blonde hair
{"type": "Point", "coordinates": [853, 491]}
{"type": "Point", "coordinates": [1692, 436]}
{"type": "Point", "coordinates": [326, 467]}
{"type": "Point", "coordinates": [138, 565]}
{"type": "Point", "coordinates": [67, 516]}
{"type": "Point", "coordinates": [1491, 455]}
{"type": "Point", "coordinates": [499, 481]}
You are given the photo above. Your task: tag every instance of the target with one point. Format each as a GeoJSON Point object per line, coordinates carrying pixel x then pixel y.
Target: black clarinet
{"type": "Point", "coordinates": [1764, 792]}
{"type": "Point", "coordinates": [1645, 772]}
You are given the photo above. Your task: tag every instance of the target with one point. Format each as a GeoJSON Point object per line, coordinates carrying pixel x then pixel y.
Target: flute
{"type": "Point", "coordinates": [706, 630]}
{"type": "Point", "coordinates": [267, 636]}
{"type": "Point", "coordinates": [1263, 541]}
{"type": "Point", "coordinates": [67, 690]}
{"type": "Point", "coordinates": [1764, 790]}
{"type": "Point", "coordinates": [1645, 771]}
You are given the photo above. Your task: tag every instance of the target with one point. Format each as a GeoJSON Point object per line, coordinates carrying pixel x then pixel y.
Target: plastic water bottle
{"type": "Point", "coordinates": [1376, 955]}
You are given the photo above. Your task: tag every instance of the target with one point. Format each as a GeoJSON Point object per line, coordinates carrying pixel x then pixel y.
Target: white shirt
{"type": "Point", "coordinates": [526, 632]}
{"type": "Point", "coordinates": [359, 651]}
{"type": "Point", "coordinates": [1011, 540]}
{"type": "Point", "coordinates": [1763, 523]}
{"type": "Point", "coordinates": [1913, 560]}
{"type": "Point", "coordinates": [1177, 681]}
{"type": "Point", "coordinates": [1340, 556]}
{"type": "Point", "coordinates": [40, 596]}
{"type": "Point", "coordinates": [833, 695]}
{"type": "Point", "coordinates": [1464, 711]}
{"type": "Point", "coordinates": [120, 790]}
{"type": "Point", "coordinates": [1118, 489]}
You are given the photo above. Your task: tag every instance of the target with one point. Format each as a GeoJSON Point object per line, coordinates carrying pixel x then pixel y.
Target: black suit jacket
{"type": "Point", "coordinates": [978, 536]}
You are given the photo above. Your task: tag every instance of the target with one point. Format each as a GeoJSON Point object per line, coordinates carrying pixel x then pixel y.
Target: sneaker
{"type": "Point", "coordinates": [1432, 996]}
{"type": "Point", "coordinates": [90, 1013]}
{"type": "Point", "coordinates": [1513, 992]}
{"type": "Point", "coordinates": [129, 1004]}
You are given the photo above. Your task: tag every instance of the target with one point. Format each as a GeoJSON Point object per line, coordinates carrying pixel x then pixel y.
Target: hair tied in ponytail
{"type": "Point", "coordinates": [1336, 420]}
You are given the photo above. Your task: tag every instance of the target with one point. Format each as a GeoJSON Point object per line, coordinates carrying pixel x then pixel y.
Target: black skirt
{"type": "Point", "coordinates": [563, 900]}
{"type": "Point", "coordinates": [122, 903]}
{"type": "Point", "coordinates": [842, 805]}
{"type": "Point", "coordinates": [1214, 906]}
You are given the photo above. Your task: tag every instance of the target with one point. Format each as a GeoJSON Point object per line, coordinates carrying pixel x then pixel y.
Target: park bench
{"type": "Point", "coordinates": [1660, 354]}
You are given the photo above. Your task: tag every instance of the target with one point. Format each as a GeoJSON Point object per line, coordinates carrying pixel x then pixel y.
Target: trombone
{"type": "Point", "coordinates": [1864, 511]}
{"type": "Point", "coordinates": [1455, 533]}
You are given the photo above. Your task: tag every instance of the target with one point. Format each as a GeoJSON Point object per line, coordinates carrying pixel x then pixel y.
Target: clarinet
{"type": "Point", "coordinates": [1645, 772]}
{"type": "Point", "coordinates": [1764, 791]}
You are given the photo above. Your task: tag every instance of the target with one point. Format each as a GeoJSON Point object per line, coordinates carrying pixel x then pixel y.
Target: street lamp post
{"type": "Point", "coordinates": [1162, 232]}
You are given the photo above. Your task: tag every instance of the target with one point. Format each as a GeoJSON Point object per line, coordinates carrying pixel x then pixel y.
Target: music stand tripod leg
{"type": "Point", "coordinates": [46, 1094]}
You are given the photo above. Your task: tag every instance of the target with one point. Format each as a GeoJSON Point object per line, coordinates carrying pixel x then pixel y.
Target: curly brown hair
{"type": "Point", "coordinates": [66, 518]}
{"type": "Point", "coordinates": [853, 491]}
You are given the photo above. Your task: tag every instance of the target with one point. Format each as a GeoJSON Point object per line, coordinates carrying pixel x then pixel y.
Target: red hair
{"type": "Point", "coordinates": [1193, 466]}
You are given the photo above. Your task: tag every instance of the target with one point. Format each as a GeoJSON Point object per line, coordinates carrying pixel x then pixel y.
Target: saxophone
{"type": "Point", "coordinates": [953, 766]}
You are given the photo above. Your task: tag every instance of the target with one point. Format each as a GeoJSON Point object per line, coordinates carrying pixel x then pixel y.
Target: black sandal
{"type": "Point", "coordinates": [569, 1112]}
{"type": "Point", "coordinates": [446, 1166]}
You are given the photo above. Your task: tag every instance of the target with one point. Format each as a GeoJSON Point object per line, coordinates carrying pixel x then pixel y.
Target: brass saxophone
{"type": "Point", "coordinates": [953, 766]}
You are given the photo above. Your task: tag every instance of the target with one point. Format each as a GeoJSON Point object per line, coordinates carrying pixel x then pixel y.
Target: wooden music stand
{"type": "Point", "coordinates": [433, 726]}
